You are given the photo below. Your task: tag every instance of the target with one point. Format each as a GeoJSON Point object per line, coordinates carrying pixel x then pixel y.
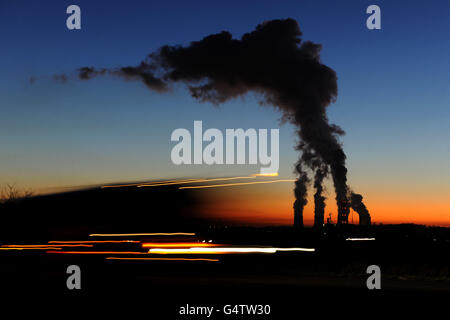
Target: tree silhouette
{"type": "Point", "coordinates": [10, 193]}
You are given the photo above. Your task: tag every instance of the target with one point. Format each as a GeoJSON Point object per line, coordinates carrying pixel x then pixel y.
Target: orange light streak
{"type": "Point", "coordinates": [236, 184]}
{"type": "Point", "coordinates": [149, 183]}
{"type": "Point", "coordinates": [45, 245]}
{"type": "Point", "coordinates": [273, 174]}
{"type": "Point", "coordinates": [32, 248]}
{"type": "Point", "coordinates": [97, 252]}
{"type": "Point", "coordinates": [98, 242]}
{"type": "Point", "coordinates": [195, 181]}
{"type": "Point", "coordinates": [162, 259]}
{"type": "Point", "coordinates": [141, 234]}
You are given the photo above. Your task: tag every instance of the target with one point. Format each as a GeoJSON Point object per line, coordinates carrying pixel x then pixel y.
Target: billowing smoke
{"type": "Point", "coordinates": [143, 72]}
{"type": "Point", "coordinates": [271, 60]}
{"type": "Point", "coordinates": [358, 205]}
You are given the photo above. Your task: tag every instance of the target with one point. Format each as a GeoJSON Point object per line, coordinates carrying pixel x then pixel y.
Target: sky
{"type": "Point", "coordinates": [393, 101]}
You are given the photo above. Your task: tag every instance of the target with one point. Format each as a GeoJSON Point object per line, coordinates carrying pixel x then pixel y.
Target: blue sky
{"type": "Point", "coordinates": [393, 97]}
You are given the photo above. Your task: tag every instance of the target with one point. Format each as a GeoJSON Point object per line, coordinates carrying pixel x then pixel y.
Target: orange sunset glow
{"type": "Point", "coordinates": [272, 204]}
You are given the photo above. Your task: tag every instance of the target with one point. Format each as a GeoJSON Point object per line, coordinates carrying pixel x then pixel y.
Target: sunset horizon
{"type": "Point", "coordinates": [222, 160]}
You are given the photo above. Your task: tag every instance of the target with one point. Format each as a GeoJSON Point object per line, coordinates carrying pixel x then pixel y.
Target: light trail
{"type": "Point", "coordinates": [97, 252]}
{"type": "Point", "coordinates": [120, 186]}
{"type": "Point", "coordinates": [273, 174]}
{"type": "Point", "coordinates": [148, 183]}
{"type": "Point", "coordinates": [296, 249]}
{"type": "Point", "coordinates": [177, 244]}
{"type": "Point", "coordinates": [196, 181]}
{"type": "Point", "coordinates": [162, 259]}
{"type": "Point", "coordinates": [32, 248]}
{"type": "Point", "coordinates": [45, 245]}
{"type": "Point", "coordinates": [212, 250]}
{"type": "Point", "coordinates": [236, 184]}
{"type": "Point", "coordinates": [97, 241]}
{"type": "Point", "coordinates": [186, 181]}
{"type": "Point", "coordinates": [360, 239]}
{"type": "Point", "coordinates": [225, 250]}
{"type": "Point", "coordinates": [141, 234]}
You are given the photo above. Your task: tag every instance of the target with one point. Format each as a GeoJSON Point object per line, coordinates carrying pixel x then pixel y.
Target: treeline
{"type": "Point", "coordinates": [10, 193]}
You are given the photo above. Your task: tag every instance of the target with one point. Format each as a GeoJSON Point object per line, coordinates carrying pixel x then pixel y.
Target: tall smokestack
{"type": "Point", "coordinates": [300, 193]}
{"type": "Point", "coordinates": [358, 205]}
{"type": "Point", "coordinates": [271, 60]}
{"type": "Point", "coordinates": [319, 199]}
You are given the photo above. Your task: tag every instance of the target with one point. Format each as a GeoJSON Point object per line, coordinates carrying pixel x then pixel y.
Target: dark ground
{"type": "Point", "coordinates": [330, 282]}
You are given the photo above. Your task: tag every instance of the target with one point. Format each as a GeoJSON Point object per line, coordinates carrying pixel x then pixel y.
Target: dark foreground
{"type": "Point", "coordinates": [331, 281]}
